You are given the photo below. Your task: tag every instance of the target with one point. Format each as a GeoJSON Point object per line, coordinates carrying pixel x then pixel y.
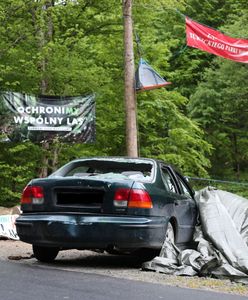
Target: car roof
{"type": "Point", "coordinates": [120, 158]}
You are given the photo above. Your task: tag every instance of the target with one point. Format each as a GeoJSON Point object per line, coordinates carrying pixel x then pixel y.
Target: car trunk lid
{"type": "Point", "coordinates": [85, 195]}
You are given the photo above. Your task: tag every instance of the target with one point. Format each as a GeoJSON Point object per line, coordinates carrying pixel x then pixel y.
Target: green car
{"type": "Point", "coordinates": [108, 203]}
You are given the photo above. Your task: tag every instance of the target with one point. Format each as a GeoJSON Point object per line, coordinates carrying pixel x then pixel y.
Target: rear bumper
{"type": "Point", "coordinates": [70, 231]}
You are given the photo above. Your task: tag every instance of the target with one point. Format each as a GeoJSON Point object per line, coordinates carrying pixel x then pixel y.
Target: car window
{"type": "Point", "coordinates": [185, 189]}
{"type": "Point", "coordinates": [78, 170]}
{"type": "Point", "coordinates": [140, 170]}
{"type": "Point", "coordinates": [168, 181]}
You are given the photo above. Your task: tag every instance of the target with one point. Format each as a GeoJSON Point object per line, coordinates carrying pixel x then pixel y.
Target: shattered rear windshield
{"type": "Point", "coordinates": [136, 169]}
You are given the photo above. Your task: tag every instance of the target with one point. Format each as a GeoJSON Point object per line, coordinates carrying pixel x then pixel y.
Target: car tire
{"type": "Point", "coordinates": [45, 254]}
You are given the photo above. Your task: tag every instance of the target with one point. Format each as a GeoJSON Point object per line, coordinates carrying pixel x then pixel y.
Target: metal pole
{"type": "Point", "coordinates": [130, 96]}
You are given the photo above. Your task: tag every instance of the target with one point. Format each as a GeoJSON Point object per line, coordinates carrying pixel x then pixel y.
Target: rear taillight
{"type": "Point", "coordinates": [133, 198]}
{"type": "Point", "coordinates": [32, 195]}
{"type": "Point", "coordinates": [121, 197]}
{"type": "Point", "coordinates": [139, 199]}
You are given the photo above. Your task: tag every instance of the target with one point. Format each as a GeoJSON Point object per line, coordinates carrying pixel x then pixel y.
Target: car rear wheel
{"type": "Point", "coordinates": [45, 254]}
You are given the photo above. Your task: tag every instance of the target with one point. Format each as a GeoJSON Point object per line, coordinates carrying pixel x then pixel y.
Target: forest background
{"type": "Point", "coordinates": [199, 123]}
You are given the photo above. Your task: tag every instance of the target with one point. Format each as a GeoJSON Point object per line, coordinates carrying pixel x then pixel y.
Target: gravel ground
{"type": "Point", "coordinates": [113, 265]}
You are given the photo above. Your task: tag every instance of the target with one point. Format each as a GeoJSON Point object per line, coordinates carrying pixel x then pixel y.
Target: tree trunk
{"type": "Point", "coordinates": [236, 156]}
{"type": "Point", "coordinates": [55, 158]}
{"type": "Point", "coordinates": [46, 34]}
{"type": "Point", "coordinates": [130, 96]}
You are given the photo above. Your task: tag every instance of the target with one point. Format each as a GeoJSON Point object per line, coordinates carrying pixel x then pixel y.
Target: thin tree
{"type": "Point", "coordinates": [130, 96]}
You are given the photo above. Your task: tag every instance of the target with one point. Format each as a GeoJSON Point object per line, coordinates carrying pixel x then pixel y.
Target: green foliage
{"type": "Point", "coordinates": [18, 164]}
{"type": "Point", "coordinates": [166, 133]}
{"type": "Point", "coordinates": [77, 48]}
{"type": "Point", "coordinates": [235, 188]}
{"type": "Point", "coordinates": [220, 105]}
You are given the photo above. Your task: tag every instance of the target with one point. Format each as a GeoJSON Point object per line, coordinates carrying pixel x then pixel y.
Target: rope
{"type": "Point", "coordinates": [150, 7]}
{"type": "Point", "coordinates": [217, 180]}
{"type": "Point", "coordinates": [140, 50]}
{"type": "Point", "coordinates": [138, 43]}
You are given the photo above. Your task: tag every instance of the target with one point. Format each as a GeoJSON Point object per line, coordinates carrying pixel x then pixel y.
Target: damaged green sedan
{"type": "Point", "coordinates": [113, 204]}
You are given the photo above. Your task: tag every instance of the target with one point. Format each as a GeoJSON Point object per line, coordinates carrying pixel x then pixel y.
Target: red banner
{"type": "Point", "coordinates": [215, 42]}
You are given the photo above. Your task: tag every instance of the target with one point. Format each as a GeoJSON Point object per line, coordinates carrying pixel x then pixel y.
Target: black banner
{"type": "Point", "coordinates": [45, 118]}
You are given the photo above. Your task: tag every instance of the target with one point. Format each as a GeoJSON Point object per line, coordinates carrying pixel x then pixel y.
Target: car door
{"type": "Point", "coordinates": [184, 203]}
{"type": "Point", "coordinates": [186, 210]}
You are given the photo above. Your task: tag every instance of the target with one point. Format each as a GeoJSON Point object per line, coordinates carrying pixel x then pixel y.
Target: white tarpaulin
{"type": "Point", "coordinates": [221, 238]}
{"type": "Point", "coordinates": [7, 222]}
{"type": "Point", "coordinates": [7, 227]}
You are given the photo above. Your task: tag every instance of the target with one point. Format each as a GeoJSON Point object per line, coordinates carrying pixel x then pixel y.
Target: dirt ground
{"type": "Point", "coordinates": [112, 265]}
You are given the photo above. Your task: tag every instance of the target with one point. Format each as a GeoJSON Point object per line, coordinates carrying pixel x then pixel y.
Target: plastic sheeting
{"type": "Point", "coordinates": [221, 239]}
{"type": "Point", "coordinates": [147, 78]}
{"type": "Point", "coordinates": [7, 222]}
{"type": "Point", "coordinates": [7, 227]}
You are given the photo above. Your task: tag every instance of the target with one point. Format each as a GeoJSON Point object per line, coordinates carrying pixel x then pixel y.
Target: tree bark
{"type": "Point", "coordinates": [45, 36]}
{"type": "Point", "coordinates": [130, 95]}
{"type": "Point", "coordinates": [236, 156]}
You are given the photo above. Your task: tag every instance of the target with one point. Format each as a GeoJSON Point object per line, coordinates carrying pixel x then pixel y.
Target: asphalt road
{"type": "Point", "coordinates": [29, 282]}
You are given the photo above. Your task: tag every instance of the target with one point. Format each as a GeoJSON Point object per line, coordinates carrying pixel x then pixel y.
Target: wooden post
{"type": "Point", "coordinates": [130, 95]}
